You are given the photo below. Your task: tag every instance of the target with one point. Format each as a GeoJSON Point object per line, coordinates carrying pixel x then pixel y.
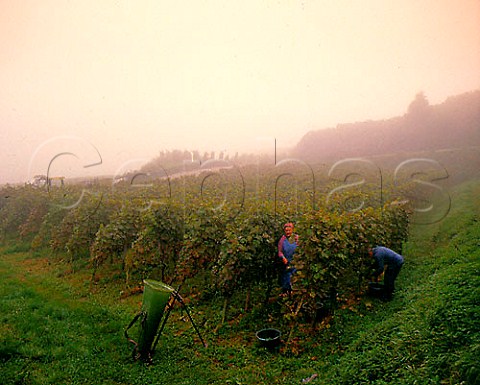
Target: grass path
{"type": "Point", "coordinates": [431, 332]}
{"type": "Point", "coordinates": [49, 333]}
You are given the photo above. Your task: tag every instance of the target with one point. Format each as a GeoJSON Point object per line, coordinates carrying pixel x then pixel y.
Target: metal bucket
{"type": "Point", "coordinates": [269, 338]}
{"type": "Point", "coordinates": [376, 289]}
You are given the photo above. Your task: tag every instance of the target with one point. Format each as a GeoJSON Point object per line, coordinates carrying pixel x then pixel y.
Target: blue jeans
{"type": "Point", "coordinates": [286, 273]}
{"type": "Point", "coordinates": [389, 279]}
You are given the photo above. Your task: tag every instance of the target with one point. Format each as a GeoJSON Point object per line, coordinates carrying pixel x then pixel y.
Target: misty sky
{"type": "Point", "coordinates": [123, 80]}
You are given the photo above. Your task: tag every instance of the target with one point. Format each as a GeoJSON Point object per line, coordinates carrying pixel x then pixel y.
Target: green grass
{"type": "Point", "coordinates": [55, 329]}
{"type": "Point", "coordinates": [430, 333]}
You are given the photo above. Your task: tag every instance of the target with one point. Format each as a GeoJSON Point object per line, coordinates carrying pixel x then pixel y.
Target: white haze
{"type": "Point", "coordinates": [108, 84]}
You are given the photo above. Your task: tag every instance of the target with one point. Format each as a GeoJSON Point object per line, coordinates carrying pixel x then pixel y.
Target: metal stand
{"type": "Point", "coordinates": [176, 297]}
{"type": "Point", "coordinates": [146, 354]}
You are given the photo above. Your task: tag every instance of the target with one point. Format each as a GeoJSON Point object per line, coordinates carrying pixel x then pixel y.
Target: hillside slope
{"type": "Point", "coordinates": [452, 124]}
{"type": "Point", "coordinates": [59, 329]}
{"type": "Point", "coordinates": [430, 334]}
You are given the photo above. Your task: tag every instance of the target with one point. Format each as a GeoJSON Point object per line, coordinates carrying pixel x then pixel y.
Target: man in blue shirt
{"type": "Point", "coordinates": [393, 261]}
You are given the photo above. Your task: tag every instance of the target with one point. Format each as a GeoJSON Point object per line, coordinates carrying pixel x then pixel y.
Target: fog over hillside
{"type": "Point", "coordinates": [98, 88]}
{"type": "Point", "coordinates": [452, 124]}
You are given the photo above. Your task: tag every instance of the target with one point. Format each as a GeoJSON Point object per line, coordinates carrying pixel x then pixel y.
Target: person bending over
{"type": "Point", "coordinates": [388, 262]}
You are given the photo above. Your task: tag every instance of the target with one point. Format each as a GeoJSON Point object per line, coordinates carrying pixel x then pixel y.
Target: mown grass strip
{"type": "Point", "coordinates": [50, 335]}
